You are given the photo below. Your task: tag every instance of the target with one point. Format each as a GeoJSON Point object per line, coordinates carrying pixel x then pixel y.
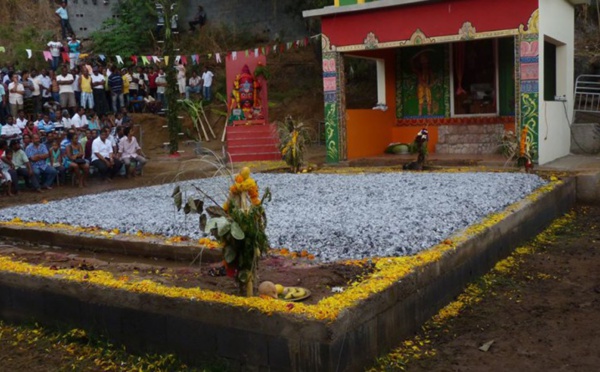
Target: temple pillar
{"type": "Point", "coordinates": [528, 72]}
{"type": "Point", "coordinates": [335, 107]}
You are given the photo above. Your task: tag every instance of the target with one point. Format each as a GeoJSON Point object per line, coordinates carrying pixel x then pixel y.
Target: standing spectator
{"type": "Point", "coordinates": [76, 86]}
{"type": "Point", "coordinates": [126, 76]}
{"type": "Point", "coordinates": [181, 78]}
{"type": "Point", "coordinates": [115, 83]}
{"type": "Point", "coordinates": [65, 89]}
{"type": "Point", "coordinates": [74, 46]}
{"type": "Point", "coordinates": [28, 95]}
{"type": "Point", "coordinates": [194, 86]}
{"type": "Point", "coordinates": [207, 80]}
{"type": "Point", "coordinates": [55, 48]}
{"type": "Point", "coordinates": [152, 82]}
{"type": "Point", "coordinates": [134, 86]}
{"type": "Point", "coordinates": [45, 83]}
{"type": "Point", "coordinates": [199, 19]}
{"type": "Point", "coordinates": [129, 151]}
{"type": "Point", "coordinates": [98, 92]}
{"type": "Point", "coordinates": [23, 167]}
{"type": "Point", "coordinates": [63, 15]}
{"type": "Point", "coordinates": [103, 156]}
{"type": "Point", "coordinates": [37, 153]}
{"type": "Point", "coordinates": [161, 86]}
{"type": "Point", "coordinates": [2, 104]}
{"type": "Point", "coordinates": [16, 91]}
{"type": "Point", "coordinates": [85, 85]}
{"type": "Point", "coordinates": [36, 95]}
{"type": "Point", "coordinates": [54, 88]}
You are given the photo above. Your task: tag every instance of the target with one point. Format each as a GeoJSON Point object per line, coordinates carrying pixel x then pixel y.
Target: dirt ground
{"type": "Point", "coordinates": [546, 317]}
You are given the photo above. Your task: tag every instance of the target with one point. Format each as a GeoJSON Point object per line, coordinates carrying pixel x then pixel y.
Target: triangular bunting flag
{"type": "Point", "coordinates": [47, 56]}
{"type": "Point", "coordinates": [247, 52]}
{"type": "Point", "coordinates": [65, 57]}
{"type": "Point", "coordinates": [255, 52]}
{"type": "Point", "coordinates": [119, 60]}
{"type": "Point", "coordinates": [155, 59]}
{"type": "Point", "coordinates": [218, 57]}
{"type": "Point", "coordinates": [268, 50]}
{"type": "Point", "coordinates": [194, 59]}
{"type": "Point", "coordinates": [2, 49]}
{"type": "Point", "coordinates": [288, 45]}
{"type": "Point", "coordinates": [145, 60]}
{"type": "Point", "coordinates": [233, 56]}
{"type": "Point", "coordinates": [209, 56]}
{"type": "Point", "coordinates": [275, 48]}
{"type": "Point", "coordinates": [102, 57]}
{"type": "Point", "coordinates": [177, 59]}
{"type": "Point", "coordinates": [28, 53]}
{"type": "Point", "coordinates": [134, 59]}
{"type": "Point", "coordinates": [263, 50]}
{"type": "Point", "coordinates": [166, 60]}
{"type": "Point", "coordinates": [184, 60]}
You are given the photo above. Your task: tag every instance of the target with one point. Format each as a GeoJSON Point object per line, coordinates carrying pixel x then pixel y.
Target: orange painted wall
{"type": "Point", "coordinates": [368, 132]}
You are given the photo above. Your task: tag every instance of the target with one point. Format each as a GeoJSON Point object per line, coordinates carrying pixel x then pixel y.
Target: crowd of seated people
{"type": "Point", "coordinates": [44, 152]}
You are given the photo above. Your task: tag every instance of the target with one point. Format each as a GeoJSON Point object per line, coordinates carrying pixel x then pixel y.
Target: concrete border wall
{"type": "Point", "coordinates": [279, 342]}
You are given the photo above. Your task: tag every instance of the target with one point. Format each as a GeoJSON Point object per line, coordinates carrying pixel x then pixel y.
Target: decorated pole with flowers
{"type": "Point", "coordinates": [240, 227]}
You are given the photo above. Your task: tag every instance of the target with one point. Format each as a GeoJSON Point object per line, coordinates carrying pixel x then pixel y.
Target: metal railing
{"type": "Point", "coordinates": [587, 94]}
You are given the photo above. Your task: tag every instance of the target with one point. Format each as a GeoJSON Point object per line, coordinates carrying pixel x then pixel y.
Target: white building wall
{"type": "Point", "coordinates": [556, 24]}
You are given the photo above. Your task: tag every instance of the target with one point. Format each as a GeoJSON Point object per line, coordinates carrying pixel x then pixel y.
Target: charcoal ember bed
{"type": "Point", "coordinates": [332, 216]}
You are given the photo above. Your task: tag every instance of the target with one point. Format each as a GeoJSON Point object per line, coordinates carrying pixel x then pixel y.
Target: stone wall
{"type": "Point", "coordinates": [261, 17]}
{"type": "Point", "coordinates": [469, 139]}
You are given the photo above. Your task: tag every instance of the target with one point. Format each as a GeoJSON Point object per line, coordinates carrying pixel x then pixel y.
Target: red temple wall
{"type": "Point", "coordinates": [434, 19]}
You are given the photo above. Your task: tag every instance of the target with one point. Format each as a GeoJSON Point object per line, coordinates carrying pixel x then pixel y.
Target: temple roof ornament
{"type": "Point", "coordinates": [467, 31]}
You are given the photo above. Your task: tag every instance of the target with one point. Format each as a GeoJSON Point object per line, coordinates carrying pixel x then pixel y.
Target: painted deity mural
{"type": "Point", "coordinates": [331, 90]}
{"type": "Point", "coordinates": [422, 83]}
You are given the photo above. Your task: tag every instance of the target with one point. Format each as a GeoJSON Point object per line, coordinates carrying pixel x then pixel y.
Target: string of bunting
{"type": "Point", "coordinates": [194, 58]}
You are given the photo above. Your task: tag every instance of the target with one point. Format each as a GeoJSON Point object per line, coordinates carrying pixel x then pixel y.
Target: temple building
{"type": "Point", "coordinates": [469, 71]}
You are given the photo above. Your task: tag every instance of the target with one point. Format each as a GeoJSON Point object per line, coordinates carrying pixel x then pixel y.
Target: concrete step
{"type": "Point", "coordinates": [252, 148]}
{"type": "Point", "coordinates": [255, 141]}
{"type": "Point", "coordinates": [237, 158]}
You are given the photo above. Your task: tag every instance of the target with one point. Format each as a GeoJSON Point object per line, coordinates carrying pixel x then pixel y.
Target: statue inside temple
{"type": "Point", "coordinates": [245, 102]}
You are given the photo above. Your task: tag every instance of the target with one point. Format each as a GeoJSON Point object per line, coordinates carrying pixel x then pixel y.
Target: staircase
{"type": "Point", "coordinates": [469, 139]}
{"type": "Point", "coordinates": [253, 143]}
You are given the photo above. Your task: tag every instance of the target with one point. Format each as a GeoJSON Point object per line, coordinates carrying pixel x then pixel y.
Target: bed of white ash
{"type": "Point", "coordinates": [332, 216]}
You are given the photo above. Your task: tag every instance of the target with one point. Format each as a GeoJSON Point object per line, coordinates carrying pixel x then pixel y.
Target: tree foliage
{"type": "Point", "coordinates": [130, 33]}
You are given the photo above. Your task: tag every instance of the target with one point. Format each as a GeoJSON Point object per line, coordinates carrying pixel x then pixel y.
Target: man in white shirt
{"type": "Point", "coordinates": [79, 120]}
{"type": "Point", "coordinates": [103, 157]}
{"type": "Point", "coordinates": [3, 100]}
{"type": "Point", "coordinates": [10, 130]}
{"type": "Point", "coordinates": [65, 89]}
{"type": "Point", "coordinates": [131, 151]}
{"type": "Point", "coordinates": [207, 80]}
{"type": "Point", "coordinates": [36, 94]}
{"type": "Point", "coordinates": [15, 95]}
{"type": "Point", "coordinates": [55, 48]}
{"type": "Point", "coordinates": [21, 120]}
{"type": "Point", "coordinates": [99, 93]}
{"type": "Point", "coordinates": [45, 84]}
{"type": "Point", "coordinates": [63, 15]}
{"type": "Point", "coordinates": [194, 86]}
{"type": "Point", "coordinates": [161, 87]}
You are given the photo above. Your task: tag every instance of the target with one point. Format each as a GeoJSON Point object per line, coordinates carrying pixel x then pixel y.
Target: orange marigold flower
{"type": "Point", "coordinates": [255, 201]}
{"type": "Point", "coordinates": [304, 253]}
{"type": "Point", "coordinates": [311, 256]}
{"type": "Point", "coordinates": [239, 179]}
{"type": "Point", "coordinates": [284, 251]}
{"type": "Point", "coordinates": [233, 189]}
